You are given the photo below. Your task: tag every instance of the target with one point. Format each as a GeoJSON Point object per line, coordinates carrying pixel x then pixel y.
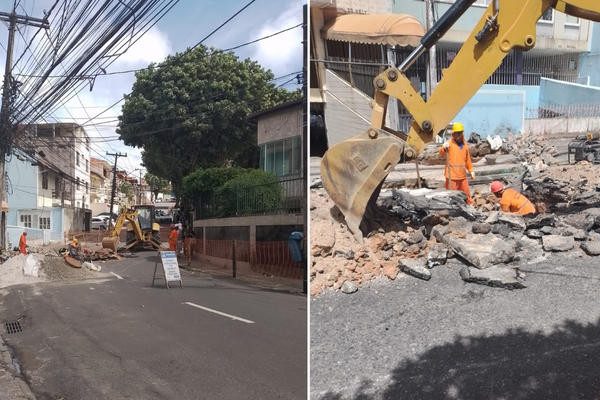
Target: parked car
{"type": "Point", "coordinates": [162, 218]}
{"type": "Point", "coordinates": [99, 223]}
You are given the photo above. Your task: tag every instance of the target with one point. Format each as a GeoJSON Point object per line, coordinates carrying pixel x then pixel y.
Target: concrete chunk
{"type": "Point", "coordinates": [437, 255]}
{"type": "Point", "coordinates": [507, 278]}
{"type": "Point", "coordinates": [415, 269]}
{"type": "Point", "coordinates": [482, 228]}
{"type": "Point", "coordinates": [514, 221]}
{"type": "Point", "coordinates": [558, 243]}
{"type": "Point", "coordinates": [591, 248]}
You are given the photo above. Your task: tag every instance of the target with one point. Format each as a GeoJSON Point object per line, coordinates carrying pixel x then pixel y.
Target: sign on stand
{"type": "Point", "coordinates": [170, 268]}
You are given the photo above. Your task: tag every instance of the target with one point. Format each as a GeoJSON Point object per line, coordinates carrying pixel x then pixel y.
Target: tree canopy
{"type": "Point", "coordinates": [157, 185]}
{"type": "Point", "coordinates": [189, 112]}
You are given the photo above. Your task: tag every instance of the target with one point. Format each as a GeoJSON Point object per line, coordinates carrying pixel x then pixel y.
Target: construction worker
{"type": "Point", "coordinates": [458, 161]}
{"type": "Point", "coordinates": [74, 248]}
{"type": "Point", "coordinates": [512, 201]}
{"type": "Point", "coordinates": [173, 238]}
{"type": "Point", "coordinates": [188, 245]}
{"type": "Point", "coordinates": [23, 243]}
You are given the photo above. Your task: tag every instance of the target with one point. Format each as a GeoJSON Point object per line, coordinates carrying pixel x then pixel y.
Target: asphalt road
{"type": "Point", "coordinates": [124, 339]}
{"type": "Point", "coordinates": [446, 339]}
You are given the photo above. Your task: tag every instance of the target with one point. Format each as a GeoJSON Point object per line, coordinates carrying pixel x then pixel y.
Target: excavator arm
{"type": "Point", "coordinates": [354, 170]}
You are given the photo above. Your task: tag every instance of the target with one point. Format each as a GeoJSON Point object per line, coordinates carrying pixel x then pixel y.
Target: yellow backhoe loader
{"type": "Point", "coordinates": [141, 230]}
{"type": "Point", "coordinates": [353, 171]}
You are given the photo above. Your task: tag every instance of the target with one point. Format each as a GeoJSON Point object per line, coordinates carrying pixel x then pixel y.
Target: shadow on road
{"type": "Point", "coordinates": [516, 365]}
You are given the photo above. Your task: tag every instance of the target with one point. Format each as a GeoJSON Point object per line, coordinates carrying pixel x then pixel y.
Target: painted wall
{"type": "Point", "coordinates": [23, 181]}
{"type": "Point", "coordinates": [497, 109]}
{"type": "Point", "coordinates": [589, 63]}
{"type": "Point", "coordinates": [558, 92]}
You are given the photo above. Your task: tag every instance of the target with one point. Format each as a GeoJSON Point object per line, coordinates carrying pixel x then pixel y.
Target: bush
{"type": "Point", "coordinates": [251, 193]}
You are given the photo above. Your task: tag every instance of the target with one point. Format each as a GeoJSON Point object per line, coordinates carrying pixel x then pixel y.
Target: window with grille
{"type": "Point", "coordinates": [44, 223]}
{"type": "Point", "coordinates": [44, 180]}
{"type": "Point", "coordinates": [26, 220]}
{"type": "Point", "coordinates": [282, 157]}
{"type": "Point", "coordinates": [77, 159]}
{"type": "Point", "coordinates": [87, 188]}
{"type": "Point", "coordinates": [78, 184]}
{"type": "Point", "coordinates": [87, 166]}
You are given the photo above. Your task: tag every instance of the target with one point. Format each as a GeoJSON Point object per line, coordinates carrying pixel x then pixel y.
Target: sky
{"type": "Point", "coordinates": [186, 24]}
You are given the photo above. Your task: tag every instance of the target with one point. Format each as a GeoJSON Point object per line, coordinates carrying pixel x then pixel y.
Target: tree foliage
{"type": "Point", "coordinates": [157, 185]}
{"type": "Point", "coordinates": [204, 181]}
{"type": "Point", "coordinates": [189, 111]}
{"type": "Point", "coordinates": [126, 188]}
{"type": "Point", "coordinates": [252, 192]}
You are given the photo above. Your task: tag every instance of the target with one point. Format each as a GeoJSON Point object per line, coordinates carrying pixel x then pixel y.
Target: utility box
{"type": "Point", "coordinates": [295, 244]}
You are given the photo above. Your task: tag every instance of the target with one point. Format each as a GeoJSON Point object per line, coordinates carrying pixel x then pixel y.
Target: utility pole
{"type": "Point", "coordinates": [432, 72]}
{"type": "Point", "coordinates": [5, 125]}
{"type": "Point", "coordinates": [305, 144]}
{"type": "Point", "coordinates": [114, 182]}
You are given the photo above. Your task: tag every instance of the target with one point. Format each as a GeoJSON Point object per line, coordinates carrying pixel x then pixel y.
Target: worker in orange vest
{"type": "Point", "coordinates": [459, 161]}
{"type": "Point", "coordinates": [511, 200]}
{"type": "Point", "coordinates": [23, 243]}
{"type": "Point", "coordinates": [173, 238]}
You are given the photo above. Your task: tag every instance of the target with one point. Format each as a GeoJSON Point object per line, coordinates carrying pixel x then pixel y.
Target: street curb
{"type": "Point", "coordinates": [7, 359]}
{"type": "Point", "coordinates": [257, 282]}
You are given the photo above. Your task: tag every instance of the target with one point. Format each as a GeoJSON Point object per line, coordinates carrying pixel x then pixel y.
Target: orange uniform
{"type": "Point", "coordinates": [173, 240]}
{"type": "Point", "coordinates": [513, 201]}
{"type": "Point", "coordinates": [23, 244]}
{"type": "Point", "coordinates": [460, 162]}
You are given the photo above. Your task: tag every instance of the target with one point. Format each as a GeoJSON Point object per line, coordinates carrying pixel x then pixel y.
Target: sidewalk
{"type": "Point", "coordinates": [245, 275]}
{"type": "Point", "coordinates": [12, 387]}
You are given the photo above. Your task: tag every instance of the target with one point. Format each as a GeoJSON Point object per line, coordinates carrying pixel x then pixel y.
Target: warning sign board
{"type": "Point", "coordinates": [170, 267]}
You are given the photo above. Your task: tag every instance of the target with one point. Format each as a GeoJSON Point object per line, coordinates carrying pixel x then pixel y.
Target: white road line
{"type": "Point", "coordinates": [118, 276]}
{"type": "Point", "coordinates": [220, 313]}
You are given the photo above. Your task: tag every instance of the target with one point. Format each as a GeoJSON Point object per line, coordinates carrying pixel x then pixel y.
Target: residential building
{"type": "Point", "coordinates": [101, 184]}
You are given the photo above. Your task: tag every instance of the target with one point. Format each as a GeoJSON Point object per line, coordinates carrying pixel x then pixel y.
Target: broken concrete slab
{"type": "Point", "coordinates": [501, 229]}
{"type": "Point", "coordinates": [558, 243]}
{"type": "Point", "coordinates": [482, 228]}
{"type": "Point", "coordinates": [414, 237]}
{"type": "Point", "coordinates": [514, 221]}
{"type": "Point", "coordinates": [539, 221]}
{"type": "Point", "coordinates": [493, 217]}
{"type": "Point", "coordinates": [579, 220]}
{"type": "Point", "coordinates": [438, 255]}
{"type": "Point", "coordinates": [591, 248]}
{"type": "Point", "coordinates": [415, 268]}
{"type": "Point", "coordinates": [507, 278]}
{"type": "Point", "coordinates": [482, 251]}
{"type": "Point", "coordinates": [534, 234]}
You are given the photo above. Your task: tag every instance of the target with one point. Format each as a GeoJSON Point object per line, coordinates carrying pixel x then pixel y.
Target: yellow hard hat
{"type": "Point", "coordinates": [74, 239]}
{"type": "Point", "coordinates": [458, 127]}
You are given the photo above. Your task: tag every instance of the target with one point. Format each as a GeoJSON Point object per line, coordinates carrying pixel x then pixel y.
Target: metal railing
{"type": "Point", "coordinates": [550, 110]}
{"type": "Point", "coordinates": [281, 197]}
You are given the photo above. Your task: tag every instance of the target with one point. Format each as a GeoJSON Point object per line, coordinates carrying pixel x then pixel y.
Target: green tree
{"type": "Point", "coordinates": [157, 184]}
{"type": "Point", "coordinates": [253, 192]}
{"type": "Point", "coordinates": [189, 111]}
{"type": "Point", "coordinates": [127, 190]}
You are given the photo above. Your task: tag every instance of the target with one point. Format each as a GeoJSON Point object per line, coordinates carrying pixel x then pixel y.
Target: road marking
{"type": "Point", "coordinates": [220, 313]}
{"type": "Point", "coordinates": [118, 276]}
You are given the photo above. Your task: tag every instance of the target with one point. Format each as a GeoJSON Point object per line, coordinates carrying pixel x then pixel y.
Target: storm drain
{"type": "Point", "coordinates": [12, 327]}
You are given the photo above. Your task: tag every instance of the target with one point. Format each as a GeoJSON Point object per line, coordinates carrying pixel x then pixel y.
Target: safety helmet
{"type": "Point", "coordinates": [457, 127]}
{"type": "Point", "coordinates": [497, 187]}
{"type": "Point", "coordinates": [74, 239]}
{"type": "Point", "coordinates": [172, 226]}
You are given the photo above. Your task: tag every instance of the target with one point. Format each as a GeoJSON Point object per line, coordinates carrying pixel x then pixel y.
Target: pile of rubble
{"type": "Point", "coordinates": [533, 148]}
{"type": "Point", "coordinates": [413, 231]}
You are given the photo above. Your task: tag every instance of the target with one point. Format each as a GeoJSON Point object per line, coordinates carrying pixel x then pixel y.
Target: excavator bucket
{"type": "Point", "coordinates": [110, 242]}
{"type": "Point", "coordinates": [353, 170]}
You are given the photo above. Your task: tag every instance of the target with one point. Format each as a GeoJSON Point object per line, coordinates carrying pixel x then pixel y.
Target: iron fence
{"type": "Point", "coordinates": [550, 110]}
{"type": "Point", "coordinates": [281, 197]}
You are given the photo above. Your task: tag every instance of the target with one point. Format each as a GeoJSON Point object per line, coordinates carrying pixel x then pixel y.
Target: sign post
{"type": "Point", "coordinates": [170, 268]}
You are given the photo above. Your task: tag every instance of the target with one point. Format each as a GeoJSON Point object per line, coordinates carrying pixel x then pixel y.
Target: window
{"type": "Point", "coordinates": [77, 159]}
{"type": "Point", "coordinates": [548, 16]}
{"type": "Point", "coordinates": [571, 20]}
{"type": "Point", "coordinates": [283, 157]}
{"type": "Point", "coordinates": [78, 184]}
{"type": "Point", "coordinates": [44, 180]}
{"type": "Point", "coordinates": [87, 188]}
{"type": "Point", "coordinates": [26, 220]}
{"type": "Point", "coordinates": [87, 166]}
{"type": "Point", "coordinates": [44, 223]}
